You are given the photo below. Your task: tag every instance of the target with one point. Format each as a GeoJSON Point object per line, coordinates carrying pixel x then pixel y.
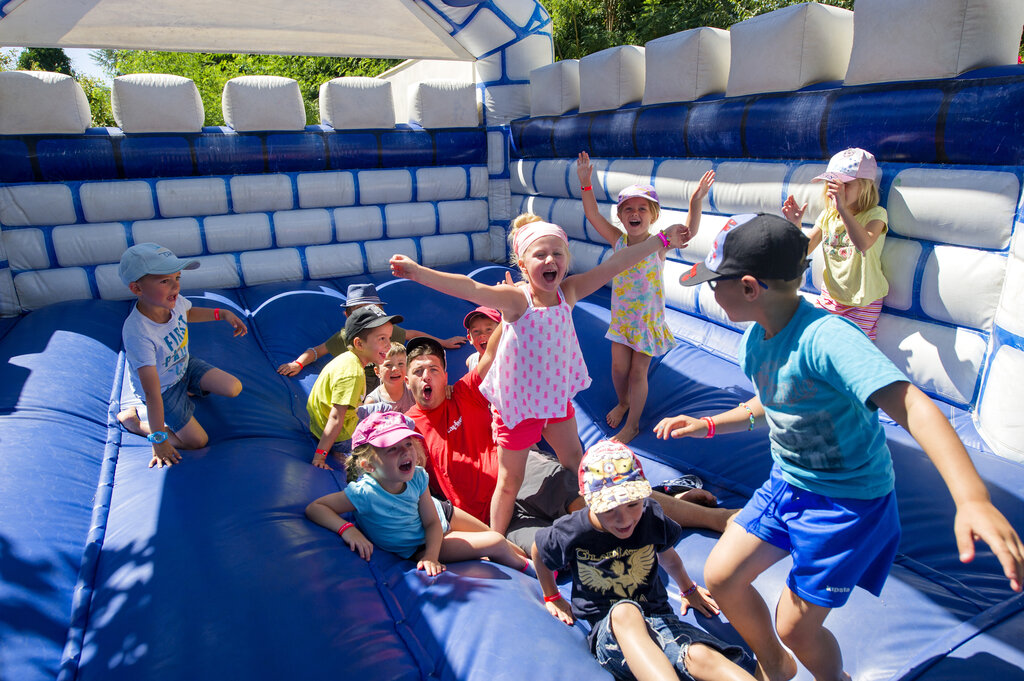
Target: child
{"type": "Point", "coordinates": [829, 500]}
{"type": "Point", "coordinates": [162, 373]}
{"type": "Point", "coordinates": [392, 392]}
{"type": "Point", "coordinates": [851, 231]}
{"type": "Point", "coordinates": [638, 330]}
{"type": "Point", "coordinates": [357, 296]}
{"type": "Point", "coordinates": [539, 359]}
{"type": "Point", "coordinates": [614, 548]}
{"type": "Point", "coordinates": [480, 324]}
{"type": "Point", "coordinates": [388, 493]}
{"type": "Point", "coordinates": [340, 387]}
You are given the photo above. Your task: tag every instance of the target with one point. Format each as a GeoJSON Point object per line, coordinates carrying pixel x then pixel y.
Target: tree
{"type": "Point", "coordinates": [45, 59]}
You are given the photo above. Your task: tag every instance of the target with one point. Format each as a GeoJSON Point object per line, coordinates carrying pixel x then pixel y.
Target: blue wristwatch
{"type": "Point", "coordinates": [157, 437]}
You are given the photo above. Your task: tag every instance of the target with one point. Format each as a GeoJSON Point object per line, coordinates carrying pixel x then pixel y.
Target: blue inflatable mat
{"type": "Point", "coordinates": [209, 570]}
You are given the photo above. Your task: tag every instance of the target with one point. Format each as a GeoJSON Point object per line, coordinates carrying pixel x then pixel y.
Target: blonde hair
{"type": "Point", "coordinates": [354, 464]}
{"type": "Point", "coordinates": [866, 199]}
{"type": "Point", "coordinates": [653, 208]}
{"type": "Point", "coordinates": [395, 349]}
{"type": "Point", "coordinates": [518, 223]}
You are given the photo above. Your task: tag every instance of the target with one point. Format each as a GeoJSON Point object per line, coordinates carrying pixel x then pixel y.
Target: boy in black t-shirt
{"type": "Point", "coordinates": [613, 548]}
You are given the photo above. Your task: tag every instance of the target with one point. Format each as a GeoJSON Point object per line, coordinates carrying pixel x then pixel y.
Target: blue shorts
{"type": "Point", "coordinates": [673, 636]}
{"type": "Point", "coordinates": [836, 543]}
{"type": "Point", "coordinates": [178, 406]}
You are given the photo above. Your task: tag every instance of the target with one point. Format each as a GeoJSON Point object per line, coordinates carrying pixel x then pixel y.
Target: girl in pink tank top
{"type": "Point", "coordinates": [538, 366]}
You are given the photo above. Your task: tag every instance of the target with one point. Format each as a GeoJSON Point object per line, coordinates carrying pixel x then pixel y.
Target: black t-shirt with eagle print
{"type": "Point", "coordinates": [606, 569]}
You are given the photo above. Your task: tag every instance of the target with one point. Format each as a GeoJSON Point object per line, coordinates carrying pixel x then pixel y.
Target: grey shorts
{"type": "Point", "coordinates": [178, 406]}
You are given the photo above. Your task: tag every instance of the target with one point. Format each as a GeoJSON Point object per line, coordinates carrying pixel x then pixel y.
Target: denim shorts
{"type": "Point", "coordinates": [178, 406]}
{"type": "Point", "coordinates": [673, 636]}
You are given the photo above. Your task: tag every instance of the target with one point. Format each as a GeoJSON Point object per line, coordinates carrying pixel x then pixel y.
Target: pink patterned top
{"type": "Point", "coordinates": [538, 366]}
{"type": "Point", "coordinates": [638, 306]}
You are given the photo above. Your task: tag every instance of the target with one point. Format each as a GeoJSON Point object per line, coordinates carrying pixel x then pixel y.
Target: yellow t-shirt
{"type": "Point", "coordinates": [852, 277]}
{"type": "Point", "coordinates": [342, 382]}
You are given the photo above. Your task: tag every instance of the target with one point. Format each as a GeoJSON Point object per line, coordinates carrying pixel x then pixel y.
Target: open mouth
{"type": "Point", "coordinates": [427, 392]}
{"type": "Point", "coordinates": [550, 276]}
{"type": "Point", "coordinates": [405, 466]}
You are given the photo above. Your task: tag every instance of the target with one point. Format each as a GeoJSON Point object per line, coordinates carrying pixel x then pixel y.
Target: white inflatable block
{"type": "Point", "coordinates": [180, 235]}
{"type": "Point", "coordinates": [214, 271]}
{"type": "Point", "coordinates": [438, 184]}
{"type": "Point", "coordinates": [46, 287]}
{"type": "Point", "coordinates": [480, 242]}
{"type": "Point", "coordinates": [940, 359]}
{"type": "Point", "coordinates": [263, 267]}
{"type": "Point", "coordinates": [537, 205]}
{"type": "Point", "coordinates": [999, 408]}
{"type": "Point", "coordinates": [461, 216]}
{"type": "Point", "coordinates": [195, 196]}
{"type": "Point", "coordinates": [485, 33]}
{"type": "Point", "coordinates": [227, 233]}
{"type": "Point", "coordinates": [302, 227]}
{"type": "Point", "coordinates": [362, 223]}
{"type": "Point", "coordinates": [899, 264]}
{"type": "Point", "coordinates": [26, 249]}
{"type": "Point", "coordinates": [804, 191]}
{"type": "Point", "coordinates": [109, 284]}
{"type": "Point", "coordinates": [618, 176]}
{"type": "Point", "coordinates": [499, 200]}
{"type": "Point", "coordinates": [921, 39]}
{"type": "Point", "coordinates": [526, 55]}
{"type": "Point", "coordinates": [612, 78]}
{"type": "Point", "coordinates": [384, 186]}
{"type": "Point", "coordinates": [410, 219]}
{"type": "Point", "coordinates": [962, 285]}
{"type": "Point", "coordinates": [89, 244]}
{"type": "Point", "coordinates": [521, 176]}
{"type": "Point", "coordinates": [109, 201]}
{"type": "Point", "coordinates": [497, 151]}
{"type": "Point", "coordinates": [791, 48]}
{"type": "Point", "coordinates": [378, 253]}
{"type": "Point", "coordinates": [550, 177]}
{"type": "Point", "coordinates": [478, 180]}
{"type": "Point", "coordinates": [334, 260]}
{"type": "Point", "coordinates": [261, 193]}
{"type": "Point", "coordinates": [36, 204]}
{"type": "Point", "coordinates": [9, 304]}
{"type": "Point", "coordinates": [518, 12]}
{"type": "Point", "coordinates": [445, 250]}
{"type": "Point", "coordinates": [686, 66]}
{"type": "Point", "coordinates": [263, 103]}
{"type": "Point", "coordinates": [356, 103]}
{"type": "Point", "coordinates": [443, 104]}
{"type": "Point", "coordinates": [749, 187]}
{"type": "Point", "coordinates": [326, 190]}
{"type": "Point", "coordinates": [156, 102]}
{"type": "Point", "coordinates": [1011, 312]}
{"type": "Point", "coordinates": [555, 89]}
{"type": "Point", "coordinates": [962, 207]}
{"type": "Point", "coordinates": [40, 102]}
{"type": "Point", "coordinates": [568, 214]}
{"type": "Point", "coordinates": [675, 181]}
{"type": "Point", "coordinates": [585, 256]}
{"type": "Point", "coordinates": [505, 103]}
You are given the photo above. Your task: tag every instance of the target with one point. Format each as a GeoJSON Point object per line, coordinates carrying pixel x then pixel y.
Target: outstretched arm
{"type": "Point", "coordinates": [697, 205]}
{"type": "Point", "coordinates": [976, 517]}
{"type": "Point", "coordinates": [447, 343]}
{"type": "Point", "coordinates": [326, 512]}
{"type": "Point", "coordinates": [732, 421]}
{"type": "Point", "coordinates": [584, 169]}
{"type": "Point", "coordinates": [501, 296]}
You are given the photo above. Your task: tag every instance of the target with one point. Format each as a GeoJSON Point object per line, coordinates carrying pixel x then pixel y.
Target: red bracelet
{"type": "Point", "coordinates": [711, 426]}
{"type": "Point", "coordinates": [300, 365]}
{"type": "Point", "coordinates": [552, 599]}
{"type": "Point", "coordinates": [319, 452]}
{"type": "Point", "coordinates": [216, 314]}
{"type": "Point", "coordinates": [693, 587]}
{"type": "Point", "coordinates": [341, 530]}
{"type": "Point", "coordinates": [588, 188]}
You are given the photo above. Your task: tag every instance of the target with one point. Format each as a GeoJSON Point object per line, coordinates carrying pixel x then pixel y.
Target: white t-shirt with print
{"type": "Point", "coordinates": [165, 346]}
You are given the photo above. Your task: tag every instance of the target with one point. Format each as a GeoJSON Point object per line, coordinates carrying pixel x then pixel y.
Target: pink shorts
{"type": "Point", "coordinates": [528, 432]}
{"type": "Point", "coordinates": [864, 316]}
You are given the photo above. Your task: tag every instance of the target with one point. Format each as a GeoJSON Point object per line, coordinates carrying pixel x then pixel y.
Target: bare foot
{"type": "Point", "coordinates": [627, 433]}
{"type": "Point", "coordinates": [129, 418]}
{"type": "Point", "coordinates": [784, 673]}
{"type": "Point", "coordinates": [699, 496]}
{"type": "Point", "coordinates": [614, 417]}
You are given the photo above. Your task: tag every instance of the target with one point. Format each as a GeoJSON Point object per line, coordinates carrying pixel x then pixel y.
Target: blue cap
{"type": "Point", "coordinates": [143, 259]}
{"type": "Point", "coordinates": [362, 294]}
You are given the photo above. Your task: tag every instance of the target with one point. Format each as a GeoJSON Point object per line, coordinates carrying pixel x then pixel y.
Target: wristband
{"type": "Point", "coordinates": [664, 239]}
{"type": "Point", "coordinates": [552, 599]}
{"type": "Point", "coordinates": [216, 314]}
{"type": "Point", "coordinates": [693, 587]}
{"type": "Point", "coordinates": [300, 365]}
{"type": "Point", "coordinates": [319, 452]}
{"type": "Point", "coordinates": [711, 427]}
{"type": "Point", "coordinates": [315, 354]}
{"type": "Point", "coordinates": [341, 530]}
{"type": "Point", "coordinates": [157, 437]}
{"type": "Point", "coordinates": [750, 413]}
{"type": "Point", "coordinates": [588, 188]}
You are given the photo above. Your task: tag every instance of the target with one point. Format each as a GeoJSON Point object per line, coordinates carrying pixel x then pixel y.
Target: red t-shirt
{"type": "Point", "coordinates": [462, 458]}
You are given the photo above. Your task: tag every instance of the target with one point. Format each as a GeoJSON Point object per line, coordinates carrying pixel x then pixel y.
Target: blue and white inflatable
{"type": "Point", "coordinates": [109, 570]}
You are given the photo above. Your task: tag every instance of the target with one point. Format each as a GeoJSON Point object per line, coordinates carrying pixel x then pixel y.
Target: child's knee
{"type": "Point", "coordinates": [194, 441]}
{"type": "Point", "coordinates": [701, 660]}
{"type": "Point", "coordinates": [626, 616]}
{"type": "Point", "coordinates": [234, 388]}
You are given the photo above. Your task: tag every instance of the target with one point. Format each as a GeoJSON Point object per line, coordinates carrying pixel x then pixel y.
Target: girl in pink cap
{"type": "Point", "coordinates": [387, 490]}
{"type": "Point", "coordinates": [851, 231]}
{"type": "Point", "coordinates": [637, 330]}
{"type": "Point", "coordinates": [538, 367]}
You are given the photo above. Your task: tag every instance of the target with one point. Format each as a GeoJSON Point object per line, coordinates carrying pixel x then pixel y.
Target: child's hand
{"type": "Point", "coordinates": [448, 392]}
{"type": "Point", "coordinates": [164, 454]}
{"type": "Point", "coordinates": [289, 369]}
{"type": "Point", "coordinates": [358, 542]}
{"type": "Point", "coordinates": [677, 235]}
{"type": "Point", "coordinates": [320, 461]}
{"type": "Point", "coordinates": [560, 610]}
{"type": "Point", "coordinates": [584, 169]}
{"type": "Point", "coordinates": [453, 343]}
{"type": "Point", "coordinates": [701, 601]}
{"type": "Point", "coordinates": [792, 211]}
{"type": "Point", "coordinates": [235, 322]}
{"type": "Point", "coordinates": [835, 193]}
{"type": "Point", "coordinates": [704, 186]}
{"type": "Point", "coordinates": [403, 266]}
{"type": "Point", "coordinates": [431, 567]}
{"type": "Point", "coordinates": [981, 520]}
{"type": "Point", "coordinates": [680, 426]}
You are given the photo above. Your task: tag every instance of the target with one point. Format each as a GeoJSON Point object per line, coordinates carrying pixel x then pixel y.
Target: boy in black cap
{"type": "Point", "coordinates": [341, 386]}
{"type": "Point", "coordinates": [829, 500]}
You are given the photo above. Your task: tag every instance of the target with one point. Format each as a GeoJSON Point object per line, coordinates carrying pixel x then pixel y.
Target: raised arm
{"type": "Point", "coordinates": [697, 205]}
{"type": "Point", "coordinates": [501, 296]}
{"type": "Point", "coordinates": [862, 236]}
{"type": "Point", "coordinates": [584, 169]}
{"type": "Point", "coordinates": [486, 359]}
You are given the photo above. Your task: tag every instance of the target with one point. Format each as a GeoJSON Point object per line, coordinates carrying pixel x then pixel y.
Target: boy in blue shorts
{"type": "Point", "coordinates": [163, 375]}
{"type": "Point", "coordinates": [614, 547]}
{"type": "Point", "coordinates": [829, 500]}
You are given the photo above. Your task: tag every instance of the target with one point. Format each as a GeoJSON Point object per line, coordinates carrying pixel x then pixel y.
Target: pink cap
{"type": "Point", "coordinates": [384, 429]}
{"type": "Point", "coordinates": [644, 191]}
{"type": "Point", "coordinates": [850, 165]}
{"type": "Point", "coordinates": [488, 312]}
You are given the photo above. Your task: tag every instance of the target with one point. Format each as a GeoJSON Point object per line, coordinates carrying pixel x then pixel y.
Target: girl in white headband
{"type": "Point", "coordinates": [538, 367]}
